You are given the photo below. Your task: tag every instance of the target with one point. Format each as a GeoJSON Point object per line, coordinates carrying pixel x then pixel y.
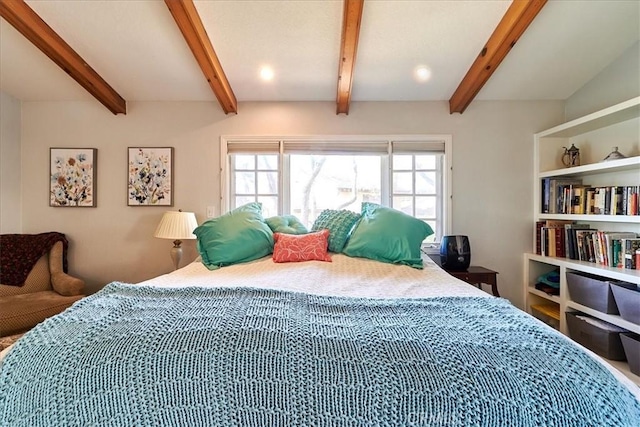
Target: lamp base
{"type": "Point", "coordinates": [176, 254]}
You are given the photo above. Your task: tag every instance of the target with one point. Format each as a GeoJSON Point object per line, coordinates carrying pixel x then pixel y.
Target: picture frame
{"type": "Point", "coordinates": [150, 176]}
{"type": "Point", "coordinates": [72, 177]}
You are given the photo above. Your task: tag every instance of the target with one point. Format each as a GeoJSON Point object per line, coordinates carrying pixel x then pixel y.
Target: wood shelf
{"type": "Point", "coordinates": [621, 165]}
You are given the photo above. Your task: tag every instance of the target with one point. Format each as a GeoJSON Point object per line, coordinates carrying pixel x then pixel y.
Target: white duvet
{"type": "Point", "coordinates": [344, 276]}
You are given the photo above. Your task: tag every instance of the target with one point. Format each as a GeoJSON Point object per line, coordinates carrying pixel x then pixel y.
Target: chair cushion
{"type": "Point", "coordinates": [21, 312]}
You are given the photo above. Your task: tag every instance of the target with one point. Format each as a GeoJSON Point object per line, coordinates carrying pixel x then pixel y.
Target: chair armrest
{"type": "Point", "coordinates": [66, 285]}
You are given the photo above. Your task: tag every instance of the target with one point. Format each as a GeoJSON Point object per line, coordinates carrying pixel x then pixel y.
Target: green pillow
{"type": "Point", "coordinates": [286, 224]}
{"type": "Point", "coordinates": [388, 235]}
{"type": "Point", "coordinates": [237, 236]}
{"type": "Point", "coordinates": [339, 223]}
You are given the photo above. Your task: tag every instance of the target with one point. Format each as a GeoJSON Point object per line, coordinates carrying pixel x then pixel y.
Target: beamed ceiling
{"type": "Point", "coordinates": [317, 50]}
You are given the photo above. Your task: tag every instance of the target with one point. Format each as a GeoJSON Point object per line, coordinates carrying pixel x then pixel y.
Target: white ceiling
{"type": "Point", "coordinates": [137, 48]}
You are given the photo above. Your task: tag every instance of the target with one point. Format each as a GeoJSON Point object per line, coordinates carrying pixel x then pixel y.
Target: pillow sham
{"type": "Point", "coordinates": [339, 223]}
{"type": "Point", "coordinates": [303, 247]}
{"type": "Point", "coordinates": [286, 224]}
{"type": "Point", "coordinates": [240, 235]}
{"type": "Point", "coordinates": [388, 235]}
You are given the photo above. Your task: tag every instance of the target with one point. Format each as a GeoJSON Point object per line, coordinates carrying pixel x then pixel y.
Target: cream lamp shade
{"type": "Point", "coordinates": [177, 226]}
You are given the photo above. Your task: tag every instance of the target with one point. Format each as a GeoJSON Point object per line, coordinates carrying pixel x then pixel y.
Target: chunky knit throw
{"type": "Point", "coordinates": [141, 356]}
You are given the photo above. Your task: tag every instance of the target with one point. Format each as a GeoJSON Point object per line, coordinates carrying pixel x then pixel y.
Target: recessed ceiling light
{"type": "Point", "coordinates": [422, 73]}
{"type": "Point", "coordinates": [266, 73]}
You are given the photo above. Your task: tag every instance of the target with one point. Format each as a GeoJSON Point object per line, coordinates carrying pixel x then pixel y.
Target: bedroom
{"type": "Point", "coordinates": [492, 154]}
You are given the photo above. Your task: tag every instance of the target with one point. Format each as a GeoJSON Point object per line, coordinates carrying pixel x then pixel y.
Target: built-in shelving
{"type": "Point", "coordinates": [595, 134]}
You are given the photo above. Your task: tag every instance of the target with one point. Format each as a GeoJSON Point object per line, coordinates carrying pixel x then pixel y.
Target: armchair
{"type": "Point", "coordinates": [47, 289]}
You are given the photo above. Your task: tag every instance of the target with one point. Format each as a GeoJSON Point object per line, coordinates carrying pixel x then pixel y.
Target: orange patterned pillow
{"type": "Point", "coordinates": [301, 247]}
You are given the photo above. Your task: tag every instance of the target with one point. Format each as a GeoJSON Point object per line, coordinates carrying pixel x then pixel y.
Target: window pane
{"type": "Point", "coordinates": [267, 182]}
{"type": "Point", "coordinates": [402, 162]}
{"type": "Point", "coordinates": [243, 200]}
{"type": "Point", "coordinates": [426, 161]}
{"type": "Point", "coordinates": [245, 183]}
{"type": "Point", "coordinates": [269, 206]}
{"type": "Point", "coordinates": [425, 182]}
{"type": "Point", "coordinates": [404, 204]}
{"type": "Point", "coordinates": [402, 182]}
{"type": "Point", "coordinates": [332, 182]}
{"type": "Point", "coordinates": [426, 207]}
{"type": "Point", "coordinates": [243, 161]}
{"type": "Point", "coordinates": [268, 162]}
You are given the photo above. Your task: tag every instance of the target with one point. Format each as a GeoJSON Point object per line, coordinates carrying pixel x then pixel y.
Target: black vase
{"type": "Point", "coordinates": [455, 253]}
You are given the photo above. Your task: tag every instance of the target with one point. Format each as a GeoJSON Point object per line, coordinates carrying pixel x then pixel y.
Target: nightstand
{"type": "Point", "coordinates": [474, 275]}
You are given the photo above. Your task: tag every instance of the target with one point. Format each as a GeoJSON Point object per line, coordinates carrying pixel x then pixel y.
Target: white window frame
{"type": "Point", "coordinates": [325, 143]}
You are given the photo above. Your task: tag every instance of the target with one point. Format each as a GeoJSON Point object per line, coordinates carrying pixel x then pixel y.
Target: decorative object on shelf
{"type": "Point", "coordinates": [455, 253]}
{"type": "Point", "coordinates": [177, 225]}
{"type": "Point", "coordinates": [614, 155]}
{"type": "Point", "coordinates": [72, 178]}
{"type": "Point", "coordinates": [150, 179]}
{"type": "Point", "coordinates": [571, 156]}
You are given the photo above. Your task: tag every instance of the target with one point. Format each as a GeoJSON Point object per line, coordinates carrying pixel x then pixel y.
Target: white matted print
{"type": "Point", "coordinates": [72, 177]}
{"type": "Point", "coordinates": [150, 176]}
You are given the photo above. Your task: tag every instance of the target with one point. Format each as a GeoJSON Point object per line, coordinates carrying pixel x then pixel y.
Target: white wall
{"type": "Point", "coordinates": [492, 176]}
{"type": "Point", "coordinates": [10, 162]}
{"type": "Point", "coordinates": [618, 82]}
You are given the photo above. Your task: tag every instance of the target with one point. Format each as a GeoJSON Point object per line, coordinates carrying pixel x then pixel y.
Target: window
{"type": "Point", "coordinates": [302, 177]}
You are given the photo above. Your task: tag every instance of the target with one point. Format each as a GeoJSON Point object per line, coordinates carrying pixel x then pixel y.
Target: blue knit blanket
{"type": "Point", "coordinates": [141, 356]}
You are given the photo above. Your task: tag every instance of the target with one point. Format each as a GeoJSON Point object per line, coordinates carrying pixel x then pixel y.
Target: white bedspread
{"type": "Point", "coordinates": [344, 276]}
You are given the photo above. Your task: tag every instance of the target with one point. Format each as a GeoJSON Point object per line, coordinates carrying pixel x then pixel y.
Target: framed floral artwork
{"type": "Point", "coordinates": [150, 180]}
{"type": "Point", "coordinates": [72, 177]}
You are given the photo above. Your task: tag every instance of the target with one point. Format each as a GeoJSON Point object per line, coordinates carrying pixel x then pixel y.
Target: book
{"type": "Point", "coordinates": [582, 244]}
{"type": "Point", "coordinates": [598, 202]}
{"type": "Point", "coordinates": [544, 205]}
{"type": "Point", "coordinates": [610, 237]}
{"type": "Point", "coordinates": [556, 193]}
{"type": "Point", "coordinates": [630, 247]}
{"type": "Point", "coordinates": [570, 239]}
{"type": "Point", "coordinates": [550, 237]}
{"type": "Point", "coordinates": [539, 225]}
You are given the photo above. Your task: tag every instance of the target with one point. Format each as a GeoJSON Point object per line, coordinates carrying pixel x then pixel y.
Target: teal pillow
{"type": "Point", "coordinates": [237, 236]}
{"type": "Point", "coordinates": [286, 224]}
{"type": "Point", "coordinates": [388, 235]}
{"type": "Point", "coordinates": [339, 223]}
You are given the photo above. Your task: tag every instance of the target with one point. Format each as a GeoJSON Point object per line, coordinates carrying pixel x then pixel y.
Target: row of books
{"type": "Point", "coordinates": [568, 239]}
{"type": "Point", "coordinates": [570, 196]}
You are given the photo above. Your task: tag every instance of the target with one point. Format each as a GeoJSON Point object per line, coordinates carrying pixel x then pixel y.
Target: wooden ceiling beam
{"type": "Point", "coordinates": [186, 16]}
{"type": "Point", "coordinates": [30, 25]}
{"type": "Point", "coordinates": [351, 18]}
{"type": "Point", "coordinates": [513, 24]}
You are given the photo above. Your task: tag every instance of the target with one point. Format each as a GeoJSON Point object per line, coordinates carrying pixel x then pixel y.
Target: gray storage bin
{"type": "Point", "coordinates": [627, 296]}
{"type": "Point", "coordinates": [603, 342]}
{"type": "Point", "coordinates": [592, 291]}
{"type": "Point", "coordinates": [631, 344]}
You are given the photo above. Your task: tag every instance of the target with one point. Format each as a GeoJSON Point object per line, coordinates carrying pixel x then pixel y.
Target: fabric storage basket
{"type": "Point", "coordinates": [627, 296]}
{"type": "Point", "coordinates": [591, 291]}
{"type": "Point", "coordinates": [598, 336]}
{"type": "Point", "coordinates": [631, 344]}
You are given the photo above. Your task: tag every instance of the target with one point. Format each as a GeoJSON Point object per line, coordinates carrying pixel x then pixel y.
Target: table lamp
{"type": "Point", "coordinates": [176, 225]}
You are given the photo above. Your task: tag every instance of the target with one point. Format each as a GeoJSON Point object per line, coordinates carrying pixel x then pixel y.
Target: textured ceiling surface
{"type": "Point", "coordinates": [137, 48]}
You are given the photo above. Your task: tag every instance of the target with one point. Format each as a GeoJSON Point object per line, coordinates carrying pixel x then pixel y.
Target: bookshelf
{"type": "Point", "coordinates": [595, 135]}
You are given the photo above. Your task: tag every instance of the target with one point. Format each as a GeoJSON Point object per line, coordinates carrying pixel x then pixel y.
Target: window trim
{"type": "Point", "coordinates": [268, 142]}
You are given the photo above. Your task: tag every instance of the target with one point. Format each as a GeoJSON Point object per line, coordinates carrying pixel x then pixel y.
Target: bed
{"type": "Point", "coordinates": [352, 342]}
